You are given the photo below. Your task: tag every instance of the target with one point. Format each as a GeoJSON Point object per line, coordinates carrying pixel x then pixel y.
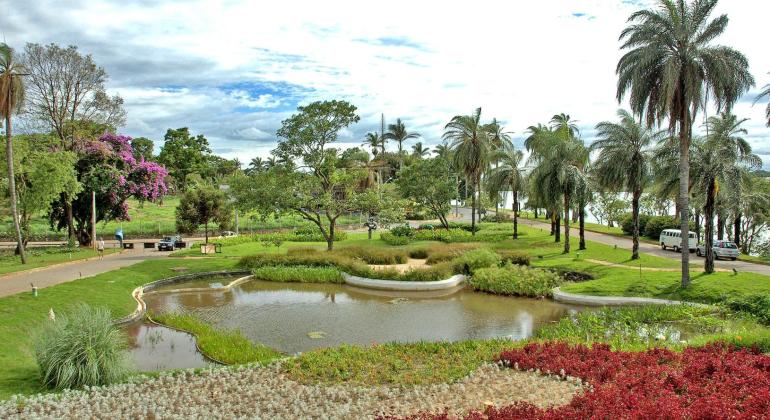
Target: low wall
{"type": "Point", "coordinates": [589, 300]}
{"type": "Point", "coordinates": [137, 293]}
{"type": "Point", "coordinates": [403, 285]}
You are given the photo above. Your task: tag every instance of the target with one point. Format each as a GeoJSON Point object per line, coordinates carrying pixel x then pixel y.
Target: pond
{"type": "Point", "coordinates": [295, 317]}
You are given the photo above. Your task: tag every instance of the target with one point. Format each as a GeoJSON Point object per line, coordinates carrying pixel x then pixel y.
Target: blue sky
{"type": "Point", "coordinates": [233, 70]}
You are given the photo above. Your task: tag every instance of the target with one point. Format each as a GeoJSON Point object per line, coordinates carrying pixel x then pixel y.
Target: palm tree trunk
{"type": "Point", "coordinates": [566, 223]}
{"type": "Point", "coordinates": [473, 211]}
{"type": "Point", "coordinates": [635, 216]}
{"type": "Point", "coordinates": [582, 221]}
{"type": "Point", "coordinates": [684, 187]}
{"type": "Point", "coordinates": [737, 229]}
{"type": "Point", "coordinates": [557, 226]}
{"type": "Point", "coordinates": [697, 226]}
{"type": "Point", "coordinates": [12, 185]}
{"type": "Point", "coordinates": [709, 241]}
{"type": "Point", "coordinates": [515, 214]}
{"type": "Point", "coordinates": [720, 226]}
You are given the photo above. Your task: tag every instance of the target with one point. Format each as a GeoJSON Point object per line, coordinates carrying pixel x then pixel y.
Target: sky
{"type": "Point", "coordinates": [233, 70]}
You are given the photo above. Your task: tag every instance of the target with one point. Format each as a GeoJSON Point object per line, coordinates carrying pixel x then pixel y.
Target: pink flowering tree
{"type": "Point", "coordinates": [108, 167]}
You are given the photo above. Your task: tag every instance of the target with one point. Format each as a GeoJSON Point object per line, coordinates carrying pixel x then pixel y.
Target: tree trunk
{"type": "Point", "coordinates": [206, 232]}
{"type": "Point", "coordinates": [635, 216]}
{"type": "Point", "coordinates": [535, 212]}
{"type": "Point", "coordinates": [582, 221]}
{"type": "Point", "coordinates": [473, 213]}
{"type": "Point", "coordinates": [709, 240]}
{"type": "Point", "coordinates": [12, 185]}
{"type": "Point", "coordinates": [68, 215]}
{"type": "Point", "coordinates": [557, 227]}
{"type": "Point", "coordinates": [720, 226]}
{"type": "Point", "coordinates": [566, 223]}
{"type": "Point", "coordinates": [697, 225]}
{"type": "Point", "coordinates": [684, 199]}
{"type": "Point", "coordinates": [515, 215]}
{"type": "Point", "coordinates": [330, 238]}
{"type": "Point", "coordinates": [737, 229]}
{"type": "Point", "coordinates": [552, 217]}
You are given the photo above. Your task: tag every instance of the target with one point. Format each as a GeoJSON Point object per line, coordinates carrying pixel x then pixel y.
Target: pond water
{"type": "Point", "coordinates": [294, 317]}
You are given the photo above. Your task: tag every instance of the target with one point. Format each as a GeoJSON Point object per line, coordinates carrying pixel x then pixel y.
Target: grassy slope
{"type": "Point", "coordinates": [40, 257]}
{"type": "Point", "coordinates": [20, 314]}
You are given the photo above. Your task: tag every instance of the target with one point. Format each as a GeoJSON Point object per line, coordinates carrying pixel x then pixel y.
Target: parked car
{"type": "Point", "coordinates": [672, 238]}
{"type": "Point", "coordinates": [169, 243]}
{"type": "Point", "coordinates": [722, 249]}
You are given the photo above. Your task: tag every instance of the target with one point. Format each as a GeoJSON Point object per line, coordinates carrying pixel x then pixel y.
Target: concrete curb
{"type": "Point", "coordinates": [138, 293]}
{"type": "Point", "coordinates": [403, 285]}
{"type": "Point", "coordinates": [590, 300]}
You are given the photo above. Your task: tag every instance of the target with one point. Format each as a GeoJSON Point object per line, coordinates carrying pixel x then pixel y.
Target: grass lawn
{"type": "Point", "coordinates": [22, 313]}
{"type": "Point", "coordinates": [43, 257]}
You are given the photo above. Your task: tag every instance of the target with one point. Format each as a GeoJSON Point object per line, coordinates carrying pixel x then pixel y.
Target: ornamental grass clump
{"type": "Point", "coordinates": [81, 348]}
{"type": "Point", "coordinates": [298, 274]}
{"type": "Point", "coordinates": [372, 255]}
{"type": "Point", "coordinates": [473, 260]}
{"type": "Point", "coordinates": [515, 280]}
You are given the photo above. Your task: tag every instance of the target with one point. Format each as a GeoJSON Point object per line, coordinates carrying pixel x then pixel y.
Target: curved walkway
{"type": "Point", "coordinates": [589, 300]}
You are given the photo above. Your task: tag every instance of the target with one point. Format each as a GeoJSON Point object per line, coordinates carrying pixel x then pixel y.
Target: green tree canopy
{"type": "Point", "coordinates": [142, 148]}
{"type": "Point", "coordinates": [182, 155]}
{"type": "Point", "coordinates": [429, 183]}
{"type": "Point", "coordinates": [201, 206]}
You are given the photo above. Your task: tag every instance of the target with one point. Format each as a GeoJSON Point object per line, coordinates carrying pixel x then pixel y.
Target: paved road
{"type": "Point", "coordinates": [626, 243]}
{"type": "Point", "coordinates": [48, 276]}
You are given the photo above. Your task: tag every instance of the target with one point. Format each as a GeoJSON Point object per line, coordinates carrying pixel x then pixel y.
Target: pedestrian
{"type": "Point", "coordinates": [100, 247]}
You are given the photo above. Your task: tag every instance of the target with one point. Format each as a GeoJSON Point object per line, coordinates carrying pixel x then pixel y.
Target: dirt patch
{"type": "Point", "coordinates": [411, 263]}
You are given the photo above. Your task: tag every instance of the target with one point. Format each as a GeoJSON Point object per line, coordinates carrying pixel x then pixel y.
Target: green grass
{"type": "Point", "coordinates": [43, 257]}
{"type": "Point", "coordinates": [299, 274]}
{"type": "Point", "coordinates": [392, 363]}
{"type": "Point", "coordinates": [226, 346]}
{"type": "Point", "coordinates": [22, 313]}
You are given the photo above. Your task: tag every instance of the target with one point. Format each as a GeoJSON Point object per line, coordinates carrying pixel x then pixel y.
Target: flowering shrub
{"type": "Point", "coordinates": [710, 382]}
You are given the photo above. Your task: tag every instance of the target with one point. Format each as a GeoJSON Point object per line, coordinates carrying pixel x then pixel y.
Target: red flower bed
{"type": "Point", "coordinates": [712, 382]}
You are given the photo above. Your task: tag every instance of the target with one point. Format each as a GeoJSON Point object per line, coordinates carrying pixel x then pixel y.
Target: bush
{"type": "Point", "coordinates": [434, 273]}
{"type": "Point", "coordinates": [427, 226]}
{"type": "Point", "coordinates": [656, 224]}
{"type": "Point", "coordinates": [497, 218]}
{"type": "Point", "coordinates": [419, 253]}
{"type": "Point", "coordinates": [441, 252]}
{"type": "Point", "coordinates": [298, 274]}
{"type": "Point", "coordinates": [471, 261]}
{"type": "Point", "coordinates": [403, 230]}
{"type": "Point", "coordinates": [319, 259]}
{"type": "Point", "coordinates": [372, 255]}
{"type": "Point", "coordinates": [463, 225]}
{"type": "Point", "coordinates": [627, 223]}
{"type": "Point", "coordinates": [513, 257]}
{"type": "Point", "coordinates": [82, 348]}
{"type": "Point", "coordinates": [394, 240]}
{"type": "Point", "coordinates": [515, 280]}
{"type": "Point", "coordinates": [757, 305]}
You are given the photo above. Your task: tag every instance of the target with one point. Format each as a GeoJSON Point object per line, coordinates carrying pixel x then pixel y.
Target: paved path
{"type": "Point", "coordinates": [647, 248]}
{"type": "Point", "coordinates": [60, 273]}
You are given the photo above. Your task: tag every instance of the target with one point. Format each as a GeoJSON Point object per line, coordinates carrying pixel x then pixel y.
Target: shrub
{"type": "Point", "coordinates": [473, 260]}
{"type": "Point", "coordinates": [515, 280]}
{"type": "Point", "coordinates": [434, 273]}
{"type": "Point", "coordinates": [497, 218]}
{"type": "Point", "coordinates": [302, 250]}
{"type": "Point", "coordinates": [656, 224]}
{"type": "Point", "coordinates": [372, 255]}
{"type": "Point", "coordinates": [319, 259]}
{"type": "Point", "coordinates": [463, 225]}
{"type": "Point", "coordinates": [757, 305]}
{"type": "Point", "coordinates": [419, 253]}
{"type": "Point", "coordinates": [81, 348]}
{"type": "Point", "coordinates": [627, 223]}
{"type": "Point", "coordinates": [403, 230]}
{"type": "Point", "coordinates": [513, 257]}
{"type": "Point", "coordinates": [298, 274]}
{"type": "Point", "coordinates": [394, 240]}
{"type": "Point", "coordinates": [427, 226]}
{"type": "Point", "coordinates": [445, 252]}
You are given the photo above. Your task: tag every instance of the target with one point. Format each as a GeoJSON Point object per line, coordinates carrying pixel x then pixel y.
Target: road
{"type": "Point", "coordinates": [61, 273]}
{"type": "Point", "coordinates": [647, 248]}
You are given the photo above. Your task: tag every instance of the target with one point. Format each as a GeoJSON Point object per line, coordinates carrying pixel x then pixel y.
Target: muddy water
{"type": "Point", "coordinates": [295, 317]}
{"type": "Point", "coordinates": [154, 347]}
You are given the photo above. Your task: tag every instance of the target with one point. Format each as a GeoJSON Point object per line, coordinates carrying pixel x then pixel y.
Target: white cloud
{"type": "Point", "coordinates": [421, 61]}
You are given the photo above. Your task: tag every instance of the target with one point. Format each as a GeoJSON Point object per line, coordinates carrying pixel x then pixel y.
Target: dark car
{"type": "Point", "coordinates": [169, 243]}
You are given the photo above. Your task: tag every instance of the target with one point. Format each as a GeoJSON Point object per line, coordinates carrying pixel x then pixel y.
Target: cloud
{"type": "Point", "coordinates": [234, 70]}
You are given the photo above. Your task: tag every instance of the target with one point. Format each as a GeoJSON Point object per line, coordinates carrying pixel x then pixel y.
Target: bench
{"type": "Point", "coordinates": [128, 245]}
{"type": "Point", "coordinates": [148, 245]}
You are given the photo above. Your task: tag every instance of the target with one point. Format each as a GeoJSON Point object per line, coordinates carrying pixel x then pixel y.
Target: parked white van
{"type": "Point", "coordinates": [672, 238]}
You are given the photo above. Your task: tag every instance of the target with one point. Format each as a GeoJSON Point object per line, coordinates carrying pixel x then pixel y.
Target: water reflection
{"type": "Point", "coordinates": [153, 347]}
{"type": "Point", "coordinates": [281, 315]}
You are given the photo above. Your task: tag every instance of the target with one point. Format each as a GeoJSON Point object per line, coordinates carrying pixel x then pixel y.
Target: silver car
{"type": "Point", "coordinates": [722, 249]}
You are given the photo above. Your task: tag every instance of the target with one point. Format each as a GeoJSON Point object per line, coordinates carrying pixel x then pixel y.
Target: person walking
{"type": "Point", "coordinates": [100, 247]}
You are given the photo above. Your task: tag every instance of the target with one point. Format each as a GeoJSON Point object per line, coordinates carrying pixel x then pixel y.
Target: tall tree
{"type": "Point", "coordinates": [183, 154]}
{"type": "Point", "coordinates": [372, 140]}
{"type": "Point", "coordinates": [142, 148]}
{"type": "Point", "coordinates": [719, 162]}
{"type": "Point", "coordinates": [508, 175]}
{"type": "Point", "coordinates": [624, 161]}
{"type": "Point", "coordinates": [201, 206]}
{"type": "Point", "coordinates": [11, 101]}
{"type": "Point", "coordinates": [471, 147]}
{"type": "Point", "coordinates": [419, 151]}
{"type": "Point", "coordinates": [671, 68]}
{"type": "Point", "coordinates": [429, 183]}
{"type": "Point", "coordinates": [499, 139]}
{"type": "Point", "coordinates": [398, 133]}
{"type": "Point", "coordinates": [256, 165]}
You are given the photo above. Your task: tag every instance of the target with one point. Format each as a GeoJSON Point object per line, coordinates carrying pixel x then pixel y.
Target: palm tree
{"type": "Point", "coordinates": [720, 160]}
{"type": "Point", "coordinates": [471, 145]}
{"type": "Point", "coordinates": [537, 143]}
{"type": "Point", "coordinates": [11, 100]}
{"type": "Point", "coordinates": [508, 175]}
{"type": "Point", "coordinates": [398, 133]}
{"type": "Point", "coordinates": [765, 92]}
{"type": "Point", "coordinates": [624, 161]}
{"type": "Point", "coordinates": [372, 140]}
{"type": "Point", "coordinates": [671, 68]}
{"type": "Point", "coordinates": [256, 165]}
{"type": "Point", "coordinates": [419, 151]}
{"type": "Point", "coordinates": [443, 151]}
{"type": "Point", "coordinates": [499, 139]}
